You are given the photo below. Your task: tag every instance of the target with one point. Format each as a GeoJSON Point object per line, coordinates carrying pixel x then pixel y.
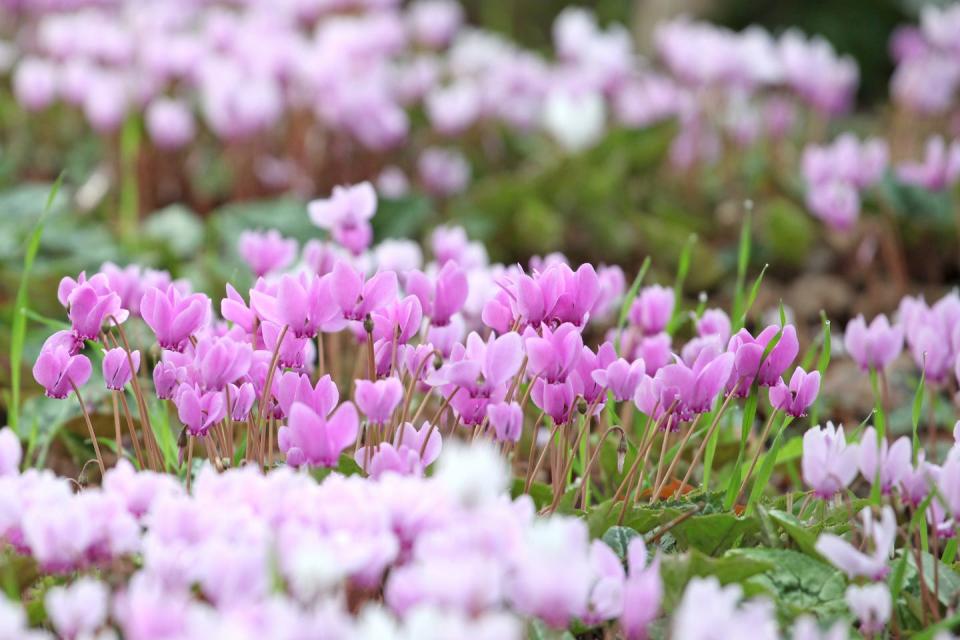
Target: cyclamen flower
{"type": "Point", "coordinates": [220, 361]}
{"type": "Point", "coordinates": [241, 400]}
{"type": "Point", "coordinates": [199, 410]}
{"type": "Point", "coordinates": [750, 364]}
{"type": "Point", "coordinates": [714, 322]}
{"type": "Point", "coordinates": [442, 296]}
{"type": "Point", "coordinates": [11, 452]}
{"type": "Point", "coordinates": [795, 399]}
{"type": "Point", "coordinates": [172, 316]}
{"type": "Point", "coordinates": [398, 322]}
{"type": "Point", "coordinates": [892, 463]}
{"type": "Point", "coordinates": [378, 399]}
{"type": "Point", "coordinates": [304, 303]}
{"type": "Point", "coordinates": [266, 252]}
{"type": "Point", "coordinates": [829, 464]}
{"type": "Point", "coordinates": [874, 346]}
{"type": "Point", "coordinates": [553, 354]}
{"type": "Point", "coordinates": [621, 378]}
{"type": "Point", "coordinates": [165, 380]}
{"type": "Point", "coordinates": [402, 456]}
{"type": "Point", "coordinates": [77, 610]}
{"type": "Point", "coordinates": [116, 367]}
{"type": "Point", "coordinates": [939, 169]}
{"type": "Point", "coordinates": [293, 387]}
{"type": "Point", "coordinates": [855, 563]}
{"type": "Point", "coordinates": [642, 591]}
{"type": "Point", "coordinates": [90, 307]}
{"type": "Point", "coordinates": [506, 418]}
{"type": "Point", "coordinates": [314, 440]}
{"type": "Point", "coordinates": [652, 309]}
{"type": "Point", "coordinates": [707, 607]}
{"type": "Point", "coordinates": [59, 372]}
{"type": "Point", "coordinates": [346, 214]}
{"type": "Point", "coordinates": [696, 387]}
{"type": "Point", "coordinates": [872, 606]}
{"type": "Point", "coordinates": [358, 298]}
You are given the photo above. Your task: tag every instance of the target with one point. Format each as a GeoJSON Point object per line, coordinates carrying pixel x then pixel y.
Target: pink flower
{"type": "Point", "coordinates": [874, 346]}
{"type": "Point", "coordinates": [556, 399]}
{"type": "Point", "coordinates": [708, 607]}
{"type": "Point", "coordinates": [795, 399]}
{"type": "Point", "coordinates": [621, 378]}
{"type": "Point", "coordinates": [59, 372]}
{"type": "Point", "coordinates": [443, 172]}
{"type": "Point", "coordinates": [78, 610]}
{"type": "Point", "coordinates": [939, 169]}
{"type": "Point", "coordinates": [314, 440]}
{"type": "Point", "coordinates": [855, 563]}
{"type": "Point", "coordinates": [174, 317]}
{"type": "Point", "coordinates": [305, 303]}
{"type": "Point", "coordinates": [90, 306]}
{"type": "Point", "coordinates": [116, 367]}
{"type": "Point", "coordinates": [378, 399]}
{"type": "Point", "coordinates": [828, 463]}
{"type": "Point", "coordinates": [165, 379]}
{"type": "Point", "coordinates": [750, 364]}
{"type": "Point", "coordinates": [652, 309]}
{"type": "Point", "coordinates": [402, 456]}
{"type": "Point", "coordinates": [241, 400]}
{"type": "Point", "coordinates": [441, 297]}
{"type": "Point", "coordinates": [835, 202]}
{"type": "Point", "coordinates": [358, 298]}
{"type": "Point", "coordinates": [714, 322]}
{"type": "Point", "coordinates": [892, 462]}
{"type": "Point", "coordinates": [398, 321]}
{"type": "Point", "coordinates": [697, 387]}
{"type": "Point", "coordinates": [346, 214]}
{"type": "Point", "coordinates": [293, 387]}
{"type": "Point", "coordinates": [11, 452]}
{"type": "Point", "coordinates": [553, 354]}
{"type": "Point", "coordinates": [872, 605]}
{"type": "Point", "coordinates": [266, 252]}
{"type": "Point", "coordinates": [220, 361]}
{"type": "Point", "coordinates": [198, 411]}
{"type": "Point", "coordinates": [170, 123]}
{"type": "Point", "coordinates": [642, 591]}
{"type": "Point", "coordinates": [506, 418]}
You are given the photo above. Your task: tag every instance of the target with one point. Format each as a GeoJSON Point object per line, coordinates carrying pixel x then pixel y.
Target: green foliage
{"type": "Point", "coordinates": [798, 583]}
{"type": "Point", "coordinates": [678, 570]}
{"type": "Point", "coordinates": [618, 539]}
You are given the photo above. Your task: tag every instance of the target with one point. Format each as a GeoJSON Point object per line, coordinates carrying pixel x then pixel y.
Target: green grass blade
{"type": "Point", "coordinates": [683, 268]}
{"type": "Point", "coordinates": [743, 260]}
{"type": "Point", "coordinates": [628, 301]}
{"type": "Point", "coordinates": [18, 331]}
{"type": "Point", "coordinates": [917, 411]}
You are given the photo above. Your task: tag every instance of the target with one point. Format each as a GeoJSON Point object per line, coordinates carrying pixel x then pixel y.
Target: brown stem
{"type": "Point", "coordinates": [592, 461]}
{"type": "Point", "coordinates": [676, 458]}
{"type": "Point", "coordinates": [189, 461]}
{"type": "Point", "coordinates": [756, 455]}
{"type": "Point", "coordinates": [118, 433]}
{"type": "Point", "coordinates": [532, 474]}
{"type": "Point", "coordinates": [133, 433]}
{"type": "Point", "coordinates": [148, 438]}
{"type": "Point", "coordinates": [93, 435]}
{"type": "Point", "coordinates": [706, 438]}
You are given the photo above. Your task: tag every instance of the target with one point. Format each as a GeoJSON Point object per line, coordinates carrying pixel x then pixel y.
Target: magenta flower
{"type": "Point", "coordinates": [89, 308]}
{"type": "Point", "coordinates": [584, 384]}
{"type": "Point", "coordinates": [199, 410]}
{"type": "Point", "coordinates": [556, 399]}
{"type": "Point", "coordinates": [442, 296]}
{"type": "Point", "coordinates": [221, 361]}
{"type": "Point", "coordinates": [358, 298]}
{"type": "Point", "coordinates": [939, 169]}
{"type": "Point", "coordinates": [506, 418]}
{"type": "Point", "coordinates": [795, 399]}
{"type": "Point", "coordinates": [642, 591]}
{"type": "Point", "coordinates": [296, 387]}
{"type": "Point", "coordinates": [398, 321]}
{"type": "Point", "coordinates": [621, 378]}
{"type": "Point", "coordinates": [58, 371]}
{"type": "Point", "coordinates": [378, 399]}
{"type": "Point", "coordinates": [714, 322]}
{"type": "Point", "coordinates": [172, 316]}
{"type": "Point", "coordinates": [241, 400]}
{"type": "Point", "coordinates": [579, 291]}
{"type": "Point", "coordinates": [116, 367]}
{"type": "Point", "coordinates": [304, 303]}
{"type": "Point", "coordinates": [829, 464]}
{"type": "Point", "coordinates": [478, 373]}
{"type": "Point", "coordinates": [266, 252]}
{"type": "Point", "coordinates": [882, 462]}
{"type": "Point", "coordinates": [234, 308]}
{"type": "Point", "coordinates": [314, 440]}
{"type": "Point", "coordinates": [915, 481]}
{"type": "Point", "coordinates": [874, 346]}
{"type": "Point", "coordinates": [553, 354]}
{"type": "Point", "coordinates": [652, 309]}
{"type": "Point", "coordinates": [291, 350]}
{"type": "Point", "coordinates": [403, 455]}
{"type": "Point", "coordinates": [856, 563]}
{"type": "Point", "coordinates": [750, 364]}
{"type": "Point", "coordinates": [165, 379]}
{"type": "Point", "coordinates": [836, 202]}
{"type": "Point", "coordinates": [606, 596]}
{"type": "Point", "coordinates": [696, 387]}
{"type": "Point", "coordinates": [346, 214]}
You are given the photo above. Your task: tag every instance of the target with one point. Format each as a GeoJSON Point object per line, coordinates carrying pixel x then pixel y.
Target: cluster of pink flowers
{"type": "Point", "coordinates": [241, 555]}
{"type": "Point", "coordinates": [356, 68]}
{"type": "Point", "coordinates": [836, 175]}
{"type": "Point", "coordinates": [927, 76]}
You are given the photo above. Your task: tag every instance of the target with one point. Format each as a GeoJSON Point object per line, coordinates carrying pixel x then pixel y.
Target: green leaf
{"type": "Point", "coordinates": [682, 268]}
{"type": "Point", "coordinates": [618, 539]}
{"type": "Point", "coordinates": [797, 530]}
{"type": "Point", "coordinates": [948, 579]}
{"type": "Point", "coordinates": [743, 260]}
{"type": "Point", "coordinates": [917, 411]}
{"type": "Point", "coordinates": [799, 583]}
{"type": "Point", "coordinates": [677, 570]}
{"type": "Point", "coordinates": [541, 494]}
{"type": "Point", "coordinates": [346, 466]}
{"type": "Point", "coordinates": [766, 469]}
{"type": "Point", "coordinates": [538, 630]}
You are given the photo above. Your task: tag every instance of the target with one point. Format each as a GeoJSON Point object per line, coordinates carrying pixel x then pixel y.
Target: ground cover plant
{"type": "Point", "coordinates": [304, 347]}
